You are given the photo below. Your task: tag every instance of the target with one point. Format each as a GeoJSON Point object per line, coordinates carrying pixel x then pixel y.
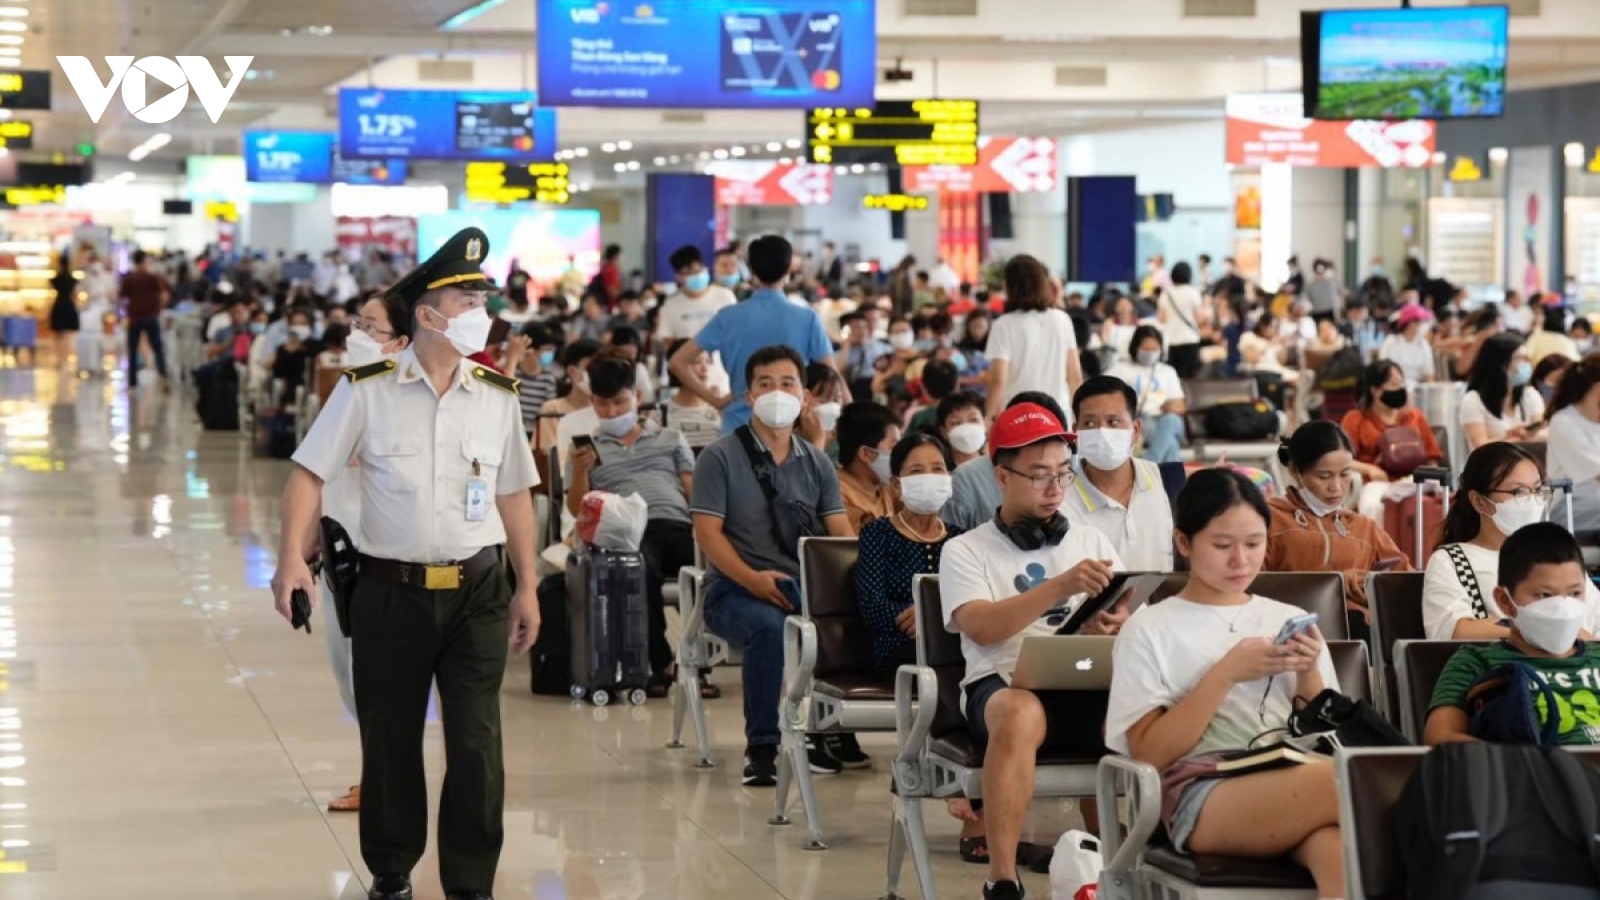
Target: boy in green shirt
{"type": "Point", "coordinates": [1541, 590]}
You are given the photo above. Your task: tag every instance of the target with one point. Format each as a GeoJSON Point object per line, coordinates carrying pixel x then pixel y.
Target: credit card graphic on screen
{"type": "Point", "coordinates": [773, 51]}
{"type": "Point", "coordinates": [497, 126]}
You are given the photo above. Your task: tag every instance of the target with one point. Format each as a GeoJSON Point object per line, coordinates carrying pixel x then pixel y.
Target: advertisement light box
{"type": "Point", "coordinates": [464, 125]}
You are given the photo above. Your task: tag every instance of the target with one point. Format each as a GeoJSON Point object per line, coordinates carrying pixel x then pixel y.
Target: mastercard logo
{"type": "Point", "coordinates": [825, 79]}
{"type": "Point", "coordinates": [524, 143]}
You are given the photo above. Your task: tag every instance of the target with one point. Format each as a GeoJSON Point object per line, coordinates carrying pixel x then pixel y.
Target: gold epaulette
{"type": "Point", "coordinates": [505, 383]}
{"type": "Point", "coordinates": [371, 370]}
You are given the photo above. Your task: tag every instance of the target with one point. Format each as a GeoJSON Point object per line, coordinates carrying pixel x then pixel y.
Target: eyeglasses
{"type": "Point", "coordinates": [1040, 482]}
{"type": "Point", "coordinates": [374, 332]}
{"type": "Point", "coordinates": [1543, 492]}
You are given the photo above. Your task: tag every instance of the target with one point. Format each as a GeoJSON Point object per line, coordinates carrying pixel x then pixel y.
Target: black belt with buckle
{"type": "Point", "coordinates": [436, 577]}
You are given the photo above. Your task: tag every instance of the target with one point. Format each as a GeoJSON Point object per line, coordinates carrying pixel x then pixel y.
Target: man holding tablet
{"type": "Point", "coordinates": [1022, 573]}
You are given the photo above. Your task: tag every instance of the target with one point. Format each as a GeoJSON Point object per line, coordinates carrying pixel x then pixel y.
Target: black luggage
{"type": "Point", "coordinates": [551, 658]}
{"type": "Point", "coordinates": [274, 434]}
{"type": "Point", "coordinates": [218, 402]}
{"type": "Point", "coordinates": [610, 625]}
{"type": "Point", "coordinates": [1493, 821]}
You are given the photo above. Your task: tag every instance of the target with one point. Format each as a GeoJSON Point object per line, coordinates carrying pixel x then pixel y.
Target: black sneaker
{"type": "Point", "coordinates": [761, 766]}
{"type": "Point", "coordinates": [822, 762]}
{"type": "Point", "coordinates": [1004, 890]}
{"type": "Point", "coordinates": [845, 749]}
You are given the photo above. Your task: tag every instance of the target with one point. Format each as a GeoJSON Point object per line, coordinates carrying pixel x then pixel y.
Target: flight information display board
{"type": "Point", "coordinates": [16, 134]}
{"type": "Point", "coordinates": [895, 132]}
{"type": "Point", "coordinates": [498, 182]}
{"type": "Point", "coordinates": [25, 89]}
{"type": "Point", "coordinates": [405, 124]}
{"type": "Point", "coordinates": [707, 54]}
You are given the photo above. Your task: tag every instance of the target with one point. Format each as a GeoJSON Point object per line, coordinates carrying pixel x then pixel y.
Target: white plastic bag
{"type": "Point", "coordinates": [1075, 868]}
{"type": "Point", "coordinates": [612, 522]}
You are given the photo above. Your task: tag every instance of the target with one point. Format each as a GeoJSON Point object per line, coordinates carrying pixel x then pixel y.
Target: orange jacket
{"type": "Point", "coordinates": [1366, 433]}
{"type": "Point", "coordinates": [1344, 542]}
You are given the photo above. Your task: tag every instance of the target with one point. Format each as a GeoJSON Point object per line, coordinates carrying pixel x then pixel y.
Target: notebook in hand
{"type": "Point", "coordinates": [1274, 756]}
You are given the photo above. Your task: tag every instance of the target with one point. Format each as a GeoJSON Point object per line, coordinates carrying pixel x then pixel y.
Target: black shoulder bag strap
{"type": "Point", "coordinates": [1468, 579]}
{"type": "Point", "coordinates": [761, 463]}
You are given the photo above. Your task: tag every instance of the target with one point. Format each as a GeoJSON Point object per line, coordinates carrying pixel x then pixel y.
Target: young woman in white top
{"type": "Point", "coordinates": [1199, 675]}
{"type": "Point", "coordinates": [1178, 310]}
{"type": "Point", "coordinates": [1408, 346]}
{"type": "Point", "coordinates": [1160, 392]}
{"type": "Point", "coordinates": [1574, 439]}
{"type": "Point", "coordinates": [1033, 347]}
{"type": "Point", "coordinates": [1501, 490]}
{"type": "Point", "coordinates": [1500, 403]}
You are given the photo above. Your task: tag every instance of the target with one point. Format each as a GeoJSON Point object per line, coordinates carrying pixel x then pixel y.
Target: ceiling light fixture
{"type": "Point", "coordinates": [1574, 154]}
{"type": "Point", "coordinates": [774, 146]}
{"type": "Point", "coordinates": [624, 145]}
{"type": "Point", "coordinates": [660, 161]}
{"type": "Point", "coordinates": [633, 165]}
{"type": "Point", "coordinates": [737, 151]}
{"type": "Point", "coordinates": [619, 167]}
{"type": "Point", "coordinates": [7, 25]}
{"type": "Point", "coordinates": [13, 12]}
{"type": "Point", "coordinates": [152, 144]}
{"type": "Point", "coordinates": [841, 170]}
{"type": "Point", "coordinates": [581, 152]}
{"type": "Point", "coordinates": [10, 39]}
{"type": "Point", "coordinates": [10, 62]}
{"type": "Point", "coordinates": [468, 14]}
{"type": "Point", "coordinates": [719, 153]}
{"type": "Point", "coordinates": [10, 51]}
{"type": "Point", "coordinates": [858, 169]}
{"type": "Point", "coordinates": [1499, 155]}
{"type": "Point", "coordinates": [793, 143]}
{"type": "Point", "coordinates": [608, 147]}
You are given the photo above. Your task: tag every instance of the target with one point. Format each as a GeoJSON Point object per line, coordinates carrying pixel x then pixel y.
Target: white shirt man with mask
{"type": "Point", "coordinates": [1119, 496]}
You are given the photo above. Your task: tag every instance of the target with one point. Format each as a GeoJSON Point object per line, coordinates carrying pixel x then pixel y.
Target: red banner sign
{"type": "Point", "coordinates": [1271, 128]}
{"type": "Point", "coordinates": [1006, 165]}
{"type": "Point", "coordinates": [396, 234]}
{"type": "Point", "coordinates": [757, 183]}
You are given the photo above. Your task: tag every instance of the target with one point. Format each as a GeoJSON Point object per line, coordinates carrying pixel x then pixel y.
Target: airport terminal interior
{"type": "Point", "coordinates": [1090, 328]}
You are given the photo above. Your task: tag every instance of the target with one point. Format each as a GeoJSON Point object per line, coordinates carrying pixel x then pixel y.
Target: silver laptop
{"type": "Point", "coordinates": [1064, 662]}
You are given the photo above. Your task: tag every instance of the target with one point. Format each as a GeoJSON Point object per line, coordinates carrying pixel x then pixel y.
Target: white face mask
{"type": "Point", "coordinates": [300, 332]}
{"type": "Point", "coordinates": [1552, 624]}
{"type": "Point", "coordinates": [880, 467]}
{"type": "Point", "coordinates": [902, 340]}
{"type": "Point", "coordinates": [360, 349]}
{"type": "Point", "coordinates": [926, 494]}
{"type": "Point", "coordinates": [618, 426]}
{"type": "Point", "coordinates": [777, 409]}
{"type": "Point", "coordinates": [969, 437]}
{"type": "Point", "coordinates": [1105, 448]}
{"type": "Point", "coordinates": [582, 382]}
{"type": "Point", "coordinates": [1517, 513]}
{"type": "Point", "coordinates": [1318, 507]}
{"type": "Point", "coordinates": [468, 332]}
{"type": "Point", "coordinates": [1148, 358]}
{"type": "Point", "coordinates": [828, 415]}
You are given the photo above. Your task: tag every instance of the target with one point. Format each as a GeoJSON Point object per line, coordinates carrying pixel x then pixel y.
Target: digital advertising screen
{"type": "Point", "coordinates": [544, 242]}
{"type": "Point", "coordinates": [223, 178]}
{"type": "Point", "coordinates": [407, 124]}
{"type": "Point", "coordinates": [304, 157]}
{"type": "Point", "coordinates": [767, 54]}
{"type": "Point", "coordinates": [742, 182]}
{"type": "Point", "coordinates": [368, 171]}
{"type": "Point", "coordinates": [1434, 63]}
{"type": "Point", "coordinates": [1006, 165]}
{"type": "Point", "coordinates": [1272, 128]}
{"type": "Point", "coordinates": [895, 133]}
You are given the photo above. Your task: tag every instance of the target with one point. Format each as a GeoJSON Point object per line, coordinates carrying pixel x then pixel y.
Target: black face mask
{"type": "Point", "coordinates": [1395, 399]}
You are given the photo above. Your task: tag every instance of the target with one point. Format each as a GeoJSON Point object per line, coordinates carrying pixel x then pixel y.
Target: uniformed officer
{"type": "Point", "coordinates": [445, 477]}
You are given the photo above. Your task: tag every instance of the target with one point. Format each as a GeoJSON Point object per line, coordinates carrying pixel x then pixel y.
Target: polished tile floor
{"type": "Point", "coordinates": [163, 734]}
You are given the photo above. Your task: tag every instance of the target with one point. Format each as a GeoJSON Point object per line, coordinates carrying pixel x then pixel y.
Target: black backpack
{"type": "Point", "coordinates": [1245, 420]}
{"type": "Point", "coordinates": [1481, 821]}
{"type": "Point", "coordinates": [551, 658]}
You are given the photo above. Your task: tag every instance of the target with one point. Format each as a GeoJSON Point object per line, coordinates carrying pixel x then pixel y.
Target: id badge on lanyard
{"type": "Point", "coordinates": [477, 495]}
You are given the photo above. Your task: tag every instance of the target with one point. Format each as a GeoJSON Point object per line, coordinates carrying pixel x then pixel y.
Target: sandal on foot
{"type": "Point", "coordinates": [975, 850]}
{"type": "Point", "coordinates": [658, 686]}
{"type": "Point", "coordinates": [350, 802]}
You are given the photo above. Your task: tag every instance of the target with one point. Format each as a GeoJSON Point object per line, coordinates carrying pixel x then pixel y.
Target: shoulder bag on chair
{"type": "Point", "coordinates": [1401, 451]}
{"type": "Point", "coordinates": [791, 519]}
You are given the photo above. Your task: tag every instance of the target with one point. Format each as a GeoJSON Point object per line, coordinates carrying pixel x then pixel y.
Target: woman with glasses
{"type": "Point", "coordinates": [1501, 489]}
{"type": "Point", "coordinates": [1312, 531]}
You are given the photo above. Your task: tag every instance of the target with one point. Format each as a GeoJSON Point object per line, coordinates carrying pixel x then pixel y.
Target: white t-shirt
{"type": "Point", "coordinates": [1517, 318]}
{"type": "Point", "coordinates": [1164, 650]}
{"type": "Point", "coordinates": [1574, 452]}
{"type": "Point", "coordinates": [1473, 412]}
{"type": "Point", "coordinates": [1446, 601]}
{"type": "Point", "coordinates": [1415, 358]}
{"type": "Point", "coordinates": [1154, 385]}
{"type": "Point", "coordinates": [983, 566]}
{"type": "Point", "coordinates": [1180, 329]}
{"type": "Point", "coordinates": [1035, 345]}
{"type": "Point", "coordinates": [1141, 532]}
{"type": "Point", "coordinates": [682, 317]}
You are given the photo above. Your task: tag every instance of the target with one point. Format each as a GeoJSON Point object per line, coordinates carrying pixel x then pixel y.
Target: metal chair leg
{"type": "Point", "coordinates": [697, 712]}
{"type": "Point", "coordinates": [808, 795]}
{"type": "Point", "coordinates": [921, 856]}
{"type": "Point", "coordinates": [897, 854]}
{"type": "Point", "coordinates": [787, 773]}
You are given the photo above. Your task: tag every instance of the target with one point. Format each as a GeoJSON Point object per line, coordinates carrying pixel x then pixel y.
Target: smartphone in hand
{"type": "Point", "coordinates": [300, 610]}
{"type": "Point", "coordinates": [1296, 626]}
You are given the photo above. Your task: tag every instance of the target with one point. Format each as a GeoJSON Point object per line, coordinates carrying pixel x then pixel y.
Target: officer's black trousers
{"type": "Point", "coordinates": [404, 639]}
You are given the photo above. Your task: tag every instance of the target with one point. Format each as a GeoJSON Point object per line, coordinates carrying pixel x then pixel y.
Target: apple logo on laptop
{"type": "Point", "coordinates": [1085, 665]}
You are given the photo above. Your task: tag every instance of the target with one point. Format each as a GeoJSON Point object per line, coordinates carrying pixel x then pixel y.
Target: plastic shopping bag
{"type": "Point", "coordinates": [1075, 868]}
{"type": "Point", "coordinates": [612, 522]}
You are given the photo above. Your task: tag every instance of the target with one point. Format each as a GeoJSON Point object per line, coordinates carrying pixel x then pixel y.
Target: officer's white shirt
{"type": "Point", "coordinates": [1141, 531]}
{"type": "Point", "coordinates": [417, 451]}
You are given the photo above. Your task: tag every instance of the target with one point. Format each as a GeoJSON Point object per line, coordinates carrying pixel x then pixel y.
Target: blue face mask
{"type": "Point", "coordinates": [959, 360]}
{"type": "Point", "coordinates": [1522, 374]}
{"type": "Point", "coordinates": [547, 357]}
{"type": "Point", "coordinates": [925, 346]}
{"type": "Point", "coordinates": [697, 282]}
{"type": "Point", "coordinates": [728, 281]}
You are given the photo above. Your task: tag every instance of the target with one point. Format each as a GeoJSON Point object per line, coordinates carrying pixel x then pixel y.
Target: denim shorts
{"type": "Point", "coordinates": [1187, 815]}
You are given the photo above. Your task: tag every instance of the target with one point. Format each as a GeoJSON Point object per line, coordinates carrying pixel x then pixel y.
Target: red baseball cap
{"type": "Point", "coordinates": [1023, 425]}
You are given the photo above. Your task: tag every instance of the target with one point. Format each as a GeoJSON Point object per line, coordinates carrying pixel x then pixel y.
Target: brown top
{"type": "Point", "coordinates": [144, 292]}
{"type": "Point", "coordinates": [865, 501]}
{"type": "Point", "coordinates": [1301, 542]}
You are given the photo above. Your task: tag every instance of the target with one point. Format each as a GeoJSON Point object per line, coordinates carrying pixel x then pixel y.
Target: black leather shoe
{"type": "Point", "coordinates": [390, 887]}
{"type": "Point", "coordinates": [469, 895]}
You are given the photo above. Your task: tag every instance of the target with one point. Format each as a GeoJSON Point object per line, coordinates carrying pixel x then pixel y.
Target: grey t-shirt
{"type": "Point", "coordinates": [1323, 294]}
{"type": "Point", "coordinates": [725, 486]}
{"type": "Point", "coordinates": [650, 468]}
{"type": "Point", "coordinates": [975, 495]}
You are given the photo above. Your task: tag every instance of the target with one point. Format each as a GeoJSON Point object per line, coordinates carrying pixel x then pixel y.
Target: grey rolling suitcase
{"type": "Point", "coordinates": [610, 623]}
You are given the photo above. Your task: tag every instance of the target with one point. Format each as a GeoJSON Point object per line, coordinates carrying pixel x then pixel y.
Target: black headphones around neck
{"type": "Point", "coordinates": [1030, 534]}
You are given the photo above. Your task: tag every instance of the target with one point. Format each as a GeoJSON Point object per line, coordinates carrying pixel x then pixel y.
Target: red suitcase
{"type": "Point", "coordinates": [1400, 516]}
